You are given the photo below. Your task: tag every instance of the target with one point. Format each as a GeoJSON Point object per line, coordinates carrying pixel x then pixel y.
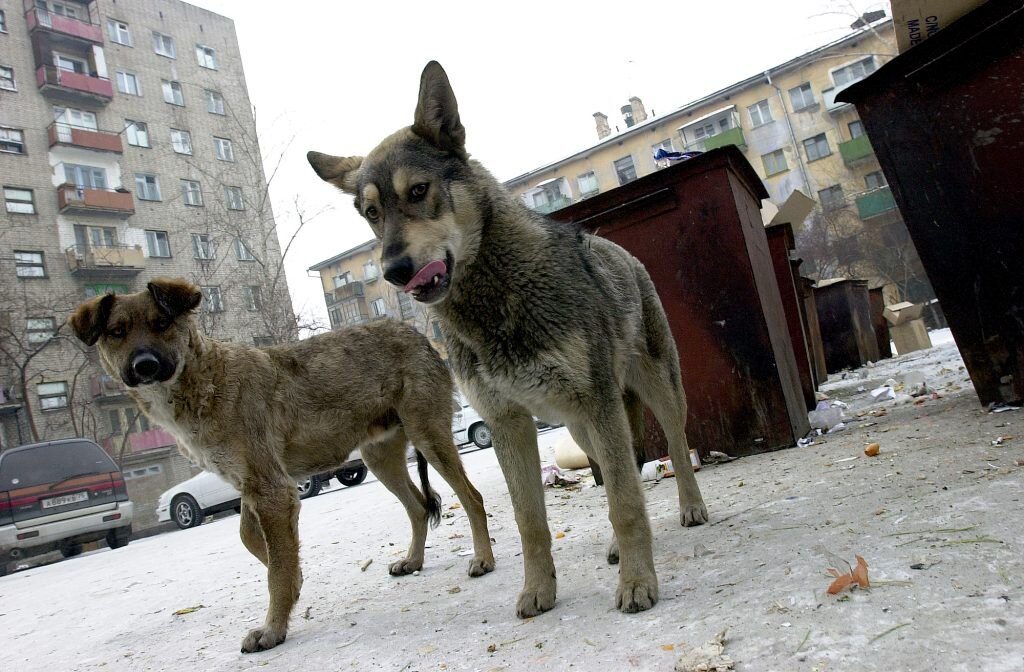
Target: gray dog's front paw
{"type": "Point", "coordinates": [403, 567]}
{"type": "Point", "coordinates": [636, 595]}
{"type": "Point", "coordinates": [537, 600]}
{"type": "Point", "coordinates": [481, 566]}
{"type": "Point", "coordinates": [261, 639]}
{"type": "Point", "coordinates": [613, 551]}
{"type": "Point", "coordinates": [691, 515]}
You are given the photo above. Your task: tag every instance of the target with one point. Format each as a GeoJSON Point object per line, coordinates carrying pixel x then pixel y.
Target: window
{"type": "Point", "coordinates": [7, 78]}
{"type": "Point", "coordinates": [202, 246]}
{"type": "Point", "coordinates": [12, 140]}
{"type": "Point", "coordinates": [875, 180]}
{"type": "Point", "coordinates": [223, 148]}
{"type": "Point", "coordinates": [141, 472]}
{"type": "Point", "coordinates": [158, 243]}
{"type": "Point", "coordinates": [349, 313]}
{"type": "Point", "coordinates": [212, 302]}
{"type": "Point", "coordinates": [253, 296]}
{"type": "Point", "coordinates": [436, 328]}
{"type": "Point", "coordinates": [587, 183]}
{"type": "Point", "coordinates": [206, 56]}
{"type": "Point", "coordinates": [214, 102]}
{"type": "Point", "coordinates": [95, 236]}
{"type": "Point", "coordinates": [114, 416]}
{"type": "Point", "coordinates": [832, 199]}
{"type": "Point", "coordinates": [760, 113]}
{"type": "Point", "coordinates": [342, 279]}
{"type": "Point", "coordinates": [117, 31]}
{"type": "Point", "coordinates": [75, 118]}
{"type": "Point", "coordinates": [101, 289]}
{"type": "Point", "coordinates": [801, 96]}
{"type": "Point", "coordinates": [856, 129]}
{"type": "Point", "coordinates": [191, 192]}
{"type": "Point", "coordinates": [29, 264]}
{"type": "Point", "coordinates": [243, 252]}
{"type": "Point", "coordinates": [147, 188]}
{"type": "Point", "coordinates": [854, 72]}
{"type": "Point", "coordinates": [181, 141]}
{"type": "Point", "coordinates": [19, 201]}
{"type": "Point", "coordinates": [378, 308]}
{"type": "Point", "coordinates": [172, 92]}
{"type": "Point", "coordinates": [163, 44]}
{"type": "Point", "coordinates": [85, 177]}
{"type": "Point", "coordinates": [137, 133]}
{"type": "Point", "coordinates": [52, 395]}
{"type": "Point", "coordinates": [405, 307]}
{"type": "Point", "coordinates": [774, 162]}
{"type": "Point", "coordinates": [70, 63]}
{"type": "Point", "coordinates": [264, 341]}
{"type": "Point", "coordinates": [625, 170]}
{"type": "Point", "coordinates": [370, 271]}
{"type": "Point", "coordinates": [335, 316]}
{"type": "Point", "coordinates": [233, 197]}
{"type": "Point", "coordinates": [40, 329]}
{"type": "Point", "coordinates": [128, 83]}
{"type": "Point", "coordinates": [141, 423]}
{"type": "Point", "coordinates": [817, 147]}
{"type": "Point", "coordinates": [3, 21]}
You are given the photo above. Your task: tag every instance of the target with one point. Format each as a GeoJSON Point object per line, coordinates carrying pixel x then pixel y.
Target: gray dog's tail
{"type": "Point", "coordinates": [432, 499]}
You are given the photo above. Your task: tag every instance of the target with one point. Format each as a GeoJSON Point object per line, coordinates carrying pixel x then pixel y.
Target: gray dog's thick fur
{"type": "Point", "coordinates": [539, 319]}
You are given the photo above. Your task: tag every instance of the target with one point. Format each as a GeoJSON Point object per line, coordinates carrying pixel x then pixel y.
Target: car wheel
{"type": "Point", "coordinates": [119, 536]}
{"type": "Point", "coordinates": [351, 477]}
{"type": "Point", "coordinates": [70, 550]}
{"type": "Point", "coordinates": [310, 487]}
{"type": "Point", "coordinates": [186, 512]}
{"type": "Point", "coordinates": [480, 434]}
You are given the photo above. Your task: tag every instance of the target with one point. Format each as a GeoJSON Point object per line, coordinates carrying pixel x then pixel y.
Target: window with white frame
{"type": "Point", "coordinates": [191, 192]}
{"type": "Point", "coordinates": [7, 82]}
{"type": "Point", "coordinates": [181, 141]}
{"type": "Point", "coordinates": [29, 264]}
{"type": "Point", "coordinates": [12, 140]}
{"type": "Point", "coordinates": [379, 308]}
{"type": "Point", "coordinates": [817, 147]}
{"type": "Point", "coordinates": [128, 83]}
{"type": "Point", "coordinates": [3, 21]}
{"type": "Point", "coordinates": [587, 183]}
{"type": "Point", "coordinates": [856, 129]}
{"type": "Point", "coordinates": [854, 72]}
{"type": "Point", "coordinates": [158, 243]}
{"type": "Point", "coordinates": [214, 102]}
{"type": "Point", "coordinates": [832, 198]}
{"type": "Point", "coordinates": [225, 152]}
{"type": "Point", "coordinates": [625, 170]}
{"type": "Point", "coordinates": [242, 251]}
{"type": "Point", "coordinates": [202, 246]}
{"type": "Point", "coordinates": [70, 63]}
{"type": "Point", "coordinates": [52, 396]}
{"type": "Point", "coordinates": [40, 329]}
{"type": "Point", "coordinates": [233, 198]}
{"type": "Point", "coordinates": [335, 316]}
{"type": "Point", "coordinates": [136, 132]}
{"type": "Point", "coordinates": [665, 144]}
{"type": "Point", "coordinates": [342, 279]}
{"type": "Point", "coordinates": [212, 302]}
{"type": "Point", "coordinates": [172, 92]}
{"type": "Point", "coordinates": [163, 44]}
{"type": "Point", "coordinates": [253, 296]}
{"type": "Point", "coordinates": [370, 271]}
{"type": "Point", "coordinates": [774, 162]}
{"type": "Point", "coordinates": [114, 418]}
{"type": "Point", "coordinates": [19, 201]}
{"type": "Point", "coordinates": [85, 177]}
{"type": "Point", "coordinates": [75, 118]}
{"type": "Point", "coordinates": [207, 57]}
{"type": "Point", "coordinates": [118, 32]}
{"type": "Point", "coordinates": [760, 113]}
{"type": "Point", "coordinates": [147, 187]}
{"type": "Point", "coordinates": [802, 97]}
{"type": "Point", "coordinates": [875, 180]}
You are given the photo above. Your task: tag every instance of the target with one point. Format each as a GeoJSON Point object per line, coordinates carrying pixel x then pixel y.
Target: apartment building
{"type": "Point", "coordinates": [356, 292]}
{"type": "Point", "coordinates": [789, 126]}
{"type": "Point", "coordinates": [127, 151]}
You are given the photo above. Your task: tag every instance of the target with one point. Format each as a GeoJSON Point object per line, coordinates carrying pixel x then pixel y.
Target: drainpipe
{"type": "Point", "coordinates": [792, 135]}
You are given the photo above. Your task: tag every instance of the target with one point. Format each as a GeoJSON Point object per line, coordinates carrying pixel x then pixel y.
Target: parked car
{"type": "Point", "coordinates": [468, 426]}
{"type": "Point", "coordinates": [190, 502]}
{"type": "Point", "coordinates": [59, 495]}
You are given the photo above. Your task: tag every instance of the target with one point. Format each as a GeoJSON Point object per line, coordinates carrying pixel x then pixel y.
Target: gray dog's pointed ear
{"type": "Point", "coordinates": [437, 112]}
{"type": "Point", "coordinates": [90, 318]}
{"type": "Point", "coordinates": [341, 171]}
{"type": "Point", "coordinates": [174, 297]}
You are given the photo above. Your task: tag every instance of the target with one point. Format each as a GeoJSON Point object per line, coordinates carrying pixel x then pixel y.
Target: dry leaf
{"type": "Point", "coordinates": [188, 610]}
{"type": "Point", "coordinates": [860, 573]}
{"type": "Point", "coordinates": [668, 647]}
{"type": "Point", "coordinates": [559, 535]}
{"type": "Point", "coordinates": [856, 576]}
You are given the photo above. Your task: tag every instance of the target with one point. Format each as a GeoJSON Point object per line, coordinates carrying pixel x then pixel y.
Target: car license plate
{"type": "Point", "coordinates": [64, 499]}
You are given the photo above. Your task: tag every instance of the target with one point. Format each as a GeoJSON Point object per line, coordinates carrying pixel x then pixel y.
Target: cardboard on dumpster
{"type": "Point", "coordinates": [793, 211]}
{"type": "Point", "coordinates": [907, 328]}
{"type": "Point", "coordinates": [901, 313]}
{"type": "Point", "coordinates": [917, 20]}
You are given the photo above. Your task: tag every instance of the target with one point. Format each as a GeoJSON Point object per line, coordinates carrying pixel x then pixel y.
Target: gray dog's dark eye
{"type": "Point", "coordinates": [418, 191]}
{"type": "Point", "coordinates": [372, 214]}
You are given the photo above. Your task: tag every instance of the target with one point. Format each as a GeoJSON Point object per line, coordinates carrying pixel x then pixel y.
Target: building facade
{"type": "Point", "coordinates": [127, 151]}
{"type": "Point", "coordinates": [356, 292]}
{"type": "Point", "coordinates": [789, 126]}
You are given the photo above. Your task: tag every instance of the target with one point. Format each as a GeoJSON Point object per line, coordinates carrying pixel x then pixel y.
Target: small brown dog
{"type": "Point", "coordinates": [262, 418]}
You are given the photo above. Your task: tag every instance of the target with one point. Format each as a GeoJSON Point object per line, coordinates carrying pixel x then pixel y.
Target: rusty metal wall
{"type": "Point", "coordinates": [787, 274]}
{"type": "Point", "coordinates": [844, 315]}
{"type": "Point", "coordinates": [879, 323]}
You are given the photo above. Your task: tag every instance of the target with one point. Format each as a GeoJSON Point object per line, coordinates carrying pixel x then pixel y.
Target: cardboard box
{"type": "Point", "coordinates": [900, 313]}
{"type": "Point", "coordinates": [907, 327]}
{"type": "Point", "coordinates": [917, 20]}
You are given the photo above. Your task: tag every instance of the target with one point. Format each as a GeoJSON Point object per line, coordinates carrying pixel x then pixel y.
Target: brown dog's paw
{"type": "Point", "coordinates": [693, 515]}
{"type": "Point", "coordinates": [261, 639]}
{"type": "Point", "coordinates": [403, 567]}
{"type": "Point", "coordinates": [636, 595]}
{"type": "Point", "coordinates": [479, 567]}
{"type": "Point", "coordinates": [536, 601]}
{"type": "Point", "coordinates": [613, 551]}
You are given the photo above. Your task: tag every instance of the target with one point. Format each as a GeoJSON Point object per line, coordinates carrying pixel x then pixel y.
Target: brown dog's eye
{"type": "Point", "coordinates": [117, 332]}
{"type": "Point", "coordinates": [162, 324]}
{"type": "Point", "coordinates": [418, 192]}
{"type": "Point", "coordinates": [372, 214]}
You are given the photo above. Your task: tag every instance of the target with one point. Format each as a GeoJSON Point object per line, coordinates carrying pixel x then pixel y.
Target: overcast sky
{"type": "Point", "coordinates": [339, 76]}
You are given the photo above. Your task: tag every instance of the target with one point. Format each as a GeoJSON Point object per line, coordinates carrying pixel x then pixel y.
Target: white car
{"type": "Point", "coordinates": [468, 426]}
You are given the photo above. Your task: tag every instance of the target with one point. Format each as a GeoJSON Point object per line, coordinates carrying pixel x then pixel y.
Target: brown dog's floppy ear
{"type": "Point", "coordinates": [90, 318]}
{"type": "Point", "coordinates": [341, 171]}
{"type": "Point", "coordinates": [174, 297]}
{"type": "Point", "coordinates": [437, 113]}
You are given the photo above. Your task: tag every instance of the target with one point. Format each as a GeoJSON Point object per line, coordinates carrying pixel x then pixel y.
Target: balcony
{"type": "Point", "coordinates": [347, 291]}
{"type": "Point", "coordinates": [875, 202]}
{"type": "Point", "coordinates": [63, 26]}
{"type": "Point", "coordinates": [74, 88]}
{"type": "Point", "coordinates": [734, 136]}
{"type": "Point", "coordinates": [552, 205]}
{"type": "Point", "coordinates": [829, 95]}
{"type": "Point", "coordinates": [106, 262]}
{"type": "Point", "coordinates": [84, 138]}
{"type": "Point", "coordinates": [140, 442]}
{"type": "Point", "coordinates": [103, 386]}
{"type": "Point", "coordinates": [856, 150]}
{"type": "Point", "coordinates": [75, 200]}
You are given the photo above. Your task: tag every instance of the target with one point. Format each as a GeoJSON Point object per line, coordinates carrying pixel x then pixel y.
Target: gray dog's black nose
{"type": "Point", "coordinates": [146, 365]}
{"type": "Point", "coordinates": [400, 271]}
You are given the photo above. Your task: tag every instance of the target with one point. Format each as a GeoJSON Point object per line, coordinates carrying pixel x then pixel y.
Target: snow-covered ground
{"type": "Point", "coordinates": [937, 516]}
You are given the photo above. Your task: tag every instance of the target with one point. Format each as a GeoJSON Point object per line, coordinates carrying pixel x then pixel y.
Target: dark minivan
{"type": "Point", "coordinates": [58, 495]}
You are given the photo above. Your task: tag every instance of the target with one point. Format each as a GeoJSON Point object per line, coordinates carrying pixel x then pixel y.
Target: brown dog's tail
{"type": "Point", "coordinates": [432, 499]}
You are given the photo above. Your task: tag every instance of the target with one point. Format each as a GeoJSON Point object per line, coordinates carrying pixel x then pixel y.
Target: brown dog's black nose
{"type": "Point", "coordinates": [400, 271]}
{"type": "Point", "coordinates": [146, 366]}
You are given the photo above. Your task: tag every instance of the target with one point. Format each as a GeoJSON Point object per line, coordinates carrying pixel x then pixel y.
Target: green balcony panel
{"type": "Point", "coordinates": [551, 206]}
{"type": "Point", "coordinates": [734, 136]}
{"type": "Point", "coordinates": [856, 149]}
{"type": "Point", "coordinates": [875, 203]}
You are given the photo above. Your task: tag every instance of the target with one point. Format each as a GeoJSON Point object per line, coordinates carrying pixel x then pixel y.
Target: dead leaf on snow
{"type": "Point", "coordinates": [188, 610]}
{"type": "Point", "coordinates": [856, 576]}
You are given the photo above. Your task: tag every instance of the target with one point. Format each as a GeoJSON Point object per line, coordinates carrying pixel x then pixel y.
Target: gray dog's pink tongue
{"type": "Point", "coordinates": [426, 275]}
